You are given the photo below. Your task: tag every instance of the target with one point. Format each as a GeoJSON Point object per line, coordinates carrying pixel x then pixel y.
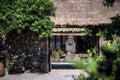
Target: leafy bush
{"type": "Point", "coordinates": [101, 68]}
{"type": "Point", "coordinates": [9, 63]}
{"type": "Point", "coordinates": [54, 54]}
{"type": "Point", "coordinates": [57, 52]}
{"type": "Point", "coordinates": [30, 15]}
{"type": "Point", "coordinates": [110, 49]}
{"type": "Point", "coordinates": [81, 77]}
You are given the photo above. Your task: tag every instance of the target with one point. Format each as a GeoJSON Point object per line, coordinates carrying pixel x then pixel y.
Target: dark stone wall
{"type": "Point", "coordinates": [27, 52]}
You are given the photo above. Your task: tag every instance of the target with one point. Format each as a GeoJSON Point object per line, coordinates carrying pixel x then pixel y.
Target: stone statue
{"type": "Point", "coordinates": [70, 45]}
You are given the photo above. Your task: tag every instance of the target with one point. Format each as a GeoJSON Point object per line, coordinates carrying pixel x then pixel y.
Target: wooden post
{"type": "Point", "coordinates": [49, 53]}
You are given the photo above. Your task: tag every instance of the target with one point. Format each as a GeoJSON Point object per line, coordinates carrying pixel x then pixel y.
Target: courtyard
{"type": "Point", "coordinates": [55, 74]}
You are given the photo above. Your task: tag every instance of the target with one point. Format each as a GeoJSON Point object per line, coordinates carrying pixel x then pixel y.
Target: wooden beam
{"type": "Point", "coordinates": [66, 34]}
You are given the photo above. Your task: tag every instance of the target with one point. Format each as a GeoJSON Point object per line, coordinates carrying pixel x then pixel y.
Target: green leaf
{"type": "Point", "coordinates": [26, 14]}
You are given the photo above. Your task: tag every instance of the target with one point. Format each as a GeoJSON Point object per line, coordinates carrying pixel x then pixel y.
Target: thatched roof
{"type": "Point", "coordinates": [83, 12]}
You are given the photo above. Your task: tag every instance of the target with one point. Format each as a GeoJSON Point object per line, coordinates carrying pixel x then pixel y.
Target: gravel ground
{"type": "Point", "coordinates": [55, 74]}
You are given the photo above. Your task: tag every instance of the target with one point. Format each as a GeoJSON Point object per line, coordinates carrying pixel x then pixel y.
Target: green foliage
{"type": "Point", "coordinates": [54, 54]}
{"type": "Point", "coordinates": [61, 52]}
{"type": "Point", "coordinates": [57, 52]}
{"type": "Point", "coordinates": [9, 64]}
{"type": "Point", "coordinates": [108, 2]}
{"type": "Point", "coordinates": [31, 15]}
{"type": "Point", "coordinates": [89, 65]}
{"type": "Point", "coordinates": [80, 64]}
{"type": "Point", "coordinates": [112, 31]}
{"type": "Point", "coordinates": [81, 77]}
{"type": "Point", "coordinates": [101, 67]}
{"type": "Point", "coordinates": [100, 34]}
{"type": "Point", "coordinates": [114, 28]}
{"type": "Point", "coordinates": [107, 65]}
{"type": "Point", "coordinates": [88, 35]}
{"type": "Point", "coordinates": [111, 48]}
{"type": "Point", "coordinates": [92, 52]}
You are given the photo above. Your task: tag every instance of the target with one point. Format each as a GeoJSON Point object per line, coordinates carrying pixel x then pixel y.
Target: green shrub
{"type": "Point", "coordinates": [101, 67]}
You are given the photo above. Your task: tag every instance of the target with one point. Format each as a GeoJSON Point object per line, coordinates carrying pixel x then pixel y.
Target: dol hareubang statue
{"type": "Point", "coordinates": [70, 45]}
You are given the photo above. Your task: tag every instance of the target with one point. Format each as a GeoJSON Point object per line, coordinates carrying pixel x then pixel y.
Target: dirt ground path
{"type": "Point", "coordinates": [55, 74]}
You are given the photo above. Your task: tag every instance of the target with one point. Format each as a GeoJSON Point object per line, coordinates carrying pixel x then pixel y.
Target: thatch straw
{"type": "Point", "coordinates": [66, 34]}
{"type": "Point", "coordinates": [68, 30]}
{"type": "Point", "coordinates": [83, 12]}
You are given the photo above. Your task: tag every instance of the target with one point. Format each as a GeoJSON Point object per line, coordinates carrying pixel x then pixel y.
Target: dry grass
{"type": "Point", "coordinates": [83, 12]}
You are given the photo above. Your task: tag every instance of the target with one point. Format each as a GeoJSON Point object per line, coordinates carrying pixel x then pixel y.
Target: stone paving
{"type": "Point", "coordinates": [55, 74]}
